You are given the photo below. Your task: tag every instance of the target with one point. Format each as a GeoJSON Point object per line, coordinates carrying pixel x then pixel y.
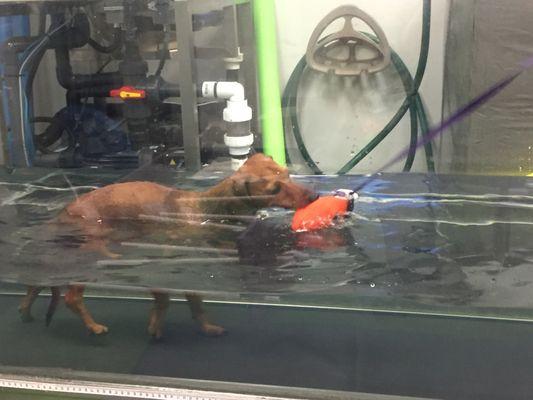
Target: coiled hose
{"type": "Point", "coordinates": [412, 103]}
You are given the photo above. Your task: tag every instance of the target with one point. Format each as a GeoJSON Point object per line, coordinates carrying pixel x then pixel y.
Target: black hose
{"type": "Point", "coordinates": [37, 54]}
{"type": "Point", "coordinates": [164, 54]}
{"type": "Point", "coordinates": [114, 46]}
{"type": "Point", "coordinates": [160, 67]}
{"type": "Point", "coordinates": [289, 105]}
{"type": "Point", "coordinates": [75, 95]}
{"type": "Point", "coordinates": [69, 80]}
{"type": "Point", "coordinates": [421, 70]}
{"type": "Point", "coordinates": [52, 133]}
{"type": "Point", "coordinates": [65, 77]}
{"type": "Point", "coordinates": [104, 65]}
{"type": "Point", "coordinates": [409, 101]}
{"type": "Point", "coordinates": [413, 115]}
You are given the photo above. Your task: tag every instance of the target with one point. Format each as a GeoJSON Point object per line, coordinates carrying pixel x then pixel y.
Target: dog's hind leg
{"type": "Point", "coordinates": [198, 313]}
{"type": "Point", "coordinates": [157, 314]}
{"type": "Point", "coordinates": [74, 301]}
{"type": "Point", "coordinates": [56, 296]}
{"type": "Point", "coordinates": [26, 303]}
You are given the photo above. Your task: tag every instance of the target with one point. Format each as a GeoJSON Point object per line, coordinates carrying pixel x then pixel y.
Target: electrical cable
{"type": "Point", "coordinates": [162, 60]}
{"type": "Point", "coordinates": [33, 53]}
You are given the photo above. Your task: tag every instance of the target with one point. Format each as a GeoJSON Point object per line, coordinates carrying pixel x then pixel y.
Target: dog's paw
{"type": "Point", "coordinates": [97, 329]}
{"type": "Point", "coordinates": [25, 315]}
{"type": "Point", "coordinates": [212, 330]}
{"type": "Point", "coordinates": [155, 331]}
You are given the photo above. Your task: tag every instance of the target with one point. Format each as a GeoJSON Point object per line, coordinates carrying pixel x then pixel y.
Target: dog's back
{"type": "Point", "coordinates": [96, 215]}
{"type": "Point", "coordinates": [123, 201]}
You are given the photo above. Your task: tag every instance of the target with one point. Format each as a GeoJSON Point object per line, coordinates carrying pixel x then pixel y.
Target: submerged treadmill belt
{"type": "Point", "coordinates": [407, 355]}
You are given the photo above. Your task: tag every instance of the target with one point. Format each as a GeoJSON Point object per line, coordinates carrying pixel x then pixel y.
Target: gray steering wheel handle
{"type": "Point", "coordinates": [348, 52]}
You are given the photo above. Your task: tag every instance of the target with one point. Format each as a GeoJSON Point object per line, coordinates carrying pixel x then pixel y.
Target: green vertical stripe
{"type": "Point", "coordinates": [268, 74]}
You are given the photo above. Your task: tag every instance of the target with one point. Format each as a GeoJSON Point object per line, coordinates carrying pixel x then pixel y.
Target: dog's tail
{"type": "Point", "coordinates": [54, 301]}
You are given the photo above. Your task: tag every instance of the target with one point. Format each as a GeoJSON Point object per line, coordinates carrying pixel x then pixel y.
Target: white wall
{"type": "Point", "coordinates": [402, 22]}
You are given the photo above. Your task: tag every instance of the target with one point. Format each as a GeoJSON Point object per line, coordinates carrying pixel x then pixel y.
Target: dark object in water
{"type": "Point", "coordinates": [265, 239]}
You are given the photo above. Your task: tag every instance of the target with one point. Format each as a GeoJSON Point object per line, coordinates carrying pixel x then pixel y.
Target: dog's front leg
{"type": "Point", "coordinates": [157, 314]}
{"type": "Point", "coordinates": [198, 313]}
{"type": "Point", "coordinates": [74, 301]}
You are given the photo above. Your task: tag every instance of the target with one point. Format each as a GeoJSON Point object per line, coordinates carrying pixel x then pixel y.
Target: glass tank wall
{"type": "Point", "coordinates": [294, 199]}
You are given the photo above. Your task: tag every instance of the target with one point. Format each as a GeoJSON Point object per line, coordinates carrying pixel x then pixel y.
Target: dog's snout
{"type": "Point", "coordinates": [308, 196]}
{"type": "Point", "coordinates": [313, 197]}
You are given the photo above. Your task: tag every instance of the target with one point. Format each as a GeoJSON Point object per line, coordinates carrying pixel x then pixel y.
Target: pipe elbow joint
{"type": "Point", "coordinates": [237, 114]}
{"type": "Point", "coordinates": [237, 109]}
{"type": "Point", "coordinates": [232, 91]}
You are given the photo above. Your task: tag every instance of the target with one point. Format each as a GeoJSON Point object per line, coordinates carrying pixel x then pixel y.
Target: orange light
{"type": "Point", "coordinates": [128, 93]}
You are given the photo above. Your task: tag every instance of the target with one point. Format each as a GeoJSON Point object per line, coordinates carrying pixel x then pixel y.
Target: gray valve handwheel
{"type": "Point", "coordinates": [348, 52]}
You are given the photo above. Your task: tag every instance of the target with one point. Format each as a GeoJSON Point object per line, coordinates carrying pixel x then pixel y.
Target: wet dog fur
{"type": "Point", "coordinates": [259, 183]}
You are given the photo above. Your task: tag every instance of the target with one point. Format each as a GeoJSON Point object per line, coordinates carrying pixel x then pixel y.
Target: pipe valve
{"type": "Point", "coordinates": [237, 115]}
{"type": "Point", "coordinates": [128, 93]}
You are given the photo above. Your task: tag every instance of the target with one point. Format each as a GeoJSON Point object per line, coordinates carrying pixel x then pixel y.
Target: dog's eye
{"type": "Point", "coordinates": [277, 188]}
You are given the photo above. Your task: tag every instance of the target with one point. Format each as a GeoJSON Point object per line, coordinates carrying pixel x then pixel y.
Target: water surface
{"type": "Point", "coordinates": [413, 242]}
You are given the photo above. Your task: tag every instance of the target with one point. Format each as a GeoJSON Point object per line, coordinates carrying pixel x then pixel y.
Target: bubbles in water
{"type": "Point", "coordinates": [372, 285]}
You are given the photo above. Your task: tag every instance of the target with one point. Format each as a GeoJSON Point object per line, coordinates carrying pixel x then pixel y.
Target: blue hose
{"type": "Point", "coordinates": [29, 62]}
{"type": "Point", "coordinates": [11, 26]}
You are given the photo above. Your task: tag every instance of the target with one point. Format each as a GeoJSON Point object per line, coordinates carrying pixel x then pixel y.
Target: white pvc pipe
{"type": "Point", "coordinates": [233, 91]}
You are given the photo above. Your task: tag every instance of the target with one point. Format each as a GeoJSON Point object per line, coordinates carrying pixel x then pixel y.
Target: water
{"type": "Point", "coordinates": [413, 243]}
{"type": "Point", "coordinates": [416, 249]}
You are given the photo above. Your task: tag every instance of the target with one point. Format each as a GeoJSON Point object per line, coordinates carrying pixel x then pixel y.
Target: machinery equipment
{"type": "Point", "coordinates": [145, 100]}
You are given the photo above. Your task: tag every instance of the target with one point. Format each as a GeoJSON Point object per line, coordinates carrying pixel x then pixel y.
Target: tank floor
{"type": "Point", "coordinates": [350, 351]}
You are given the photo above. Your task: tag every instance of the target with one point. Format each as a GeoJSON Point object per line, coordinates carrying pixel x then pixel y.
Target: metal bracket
{"type": "Point", "coordinates": [187, 84]}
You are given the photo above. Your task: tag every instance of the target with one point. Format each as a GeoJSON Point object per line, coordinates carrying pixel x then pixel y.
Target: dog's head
{"type": "Point", "coordinates": [267, 184]}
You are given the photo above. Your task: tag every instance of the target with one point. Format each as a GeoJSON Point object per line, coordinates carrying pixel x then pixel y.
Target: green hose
{"type": "Point", "coordinates": [269, 91]}
{"type": "Point", "coordinates": [412, 103]}
{"type": "Point", "coordinates": [289, 105]}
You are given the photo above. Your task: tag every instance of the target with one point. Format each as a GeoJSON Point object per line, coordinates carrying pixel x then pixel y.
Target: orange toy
{"type": "Point", "coordinates": [322, 213]}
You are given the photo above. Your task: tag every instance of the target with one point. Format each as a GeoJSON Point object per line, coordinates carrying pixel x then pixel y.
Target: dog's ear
{"type": "Point", "coordinates": [240, 185]}
{"type": "Point", "coordinates": [252, 186]}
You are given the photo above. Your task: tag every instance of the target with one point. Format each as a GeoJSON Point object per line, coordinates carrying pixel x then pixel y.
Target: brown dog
{"type": "Point", "coordinates": [259, 183]}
